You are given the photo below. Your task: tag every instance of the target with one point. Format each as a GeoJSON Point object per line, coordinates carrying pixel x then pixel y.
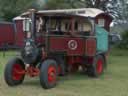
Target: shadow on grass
{"type": "Point", "coordinates": [31, 82]}
{"type": "Point", "coordinates": [79, 76]}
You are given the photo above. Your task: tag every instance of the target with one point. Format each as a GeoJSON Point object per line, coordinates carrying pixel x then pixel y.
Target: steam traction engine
{"type": "Point", "coordinates": [58, 42]}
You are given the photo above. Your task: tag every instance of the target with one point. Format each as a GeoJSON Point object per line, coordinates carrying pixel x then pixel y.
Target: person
{"type": "Point", "coordinates": [39, 24]}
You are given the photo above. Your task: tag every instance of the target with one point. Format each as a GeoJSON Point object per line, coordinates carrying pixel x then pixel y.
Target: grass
{"type": "Point", "coordinates": [113, 83]}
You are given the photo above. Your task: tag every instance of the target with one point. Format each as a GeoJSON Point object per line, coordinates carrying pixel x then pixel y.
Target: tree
{"type": "Point", "coordinates": [124, 9]}
{"type": "Point", "coordinates": [124, 43]}
{"type": "Point", "coordinates": [11, 8]}
{"type": "Point", "coordinates": [63, 4]}
{"type": "Point", "coordinates": [56, 4]}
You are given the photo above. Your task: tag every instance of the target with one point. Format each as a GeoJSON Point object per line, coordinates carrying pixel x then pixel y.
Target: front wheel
{"type": "Point", "coordinates": [97, 67]}
{"type": "Point", "coordinates": [13, 72]}
{"type": "Point", "coordinates": [48, 74]}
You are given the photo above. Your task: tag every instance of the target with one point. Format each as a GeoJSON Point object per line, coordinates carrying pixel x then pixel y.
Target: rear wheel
{"type": "Point", "coordinates": [48, 74]}
{"type": "Point", "coordinates": [97, 67]}
{"type": "Point", "coordinates": [14, 72]}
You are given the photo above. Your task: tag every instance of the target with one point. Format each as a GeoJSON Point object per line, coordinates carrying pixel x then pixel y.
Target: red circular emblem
{"type": "Point", "coordinates": [72, 44]}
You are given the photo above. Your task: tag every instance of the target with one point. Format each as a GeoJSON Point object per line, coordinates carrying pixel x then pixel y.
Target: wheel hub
{"type": "Point", "coordinates": [51, 74]}
{"type": "Point", "coordinates": [16, 72]}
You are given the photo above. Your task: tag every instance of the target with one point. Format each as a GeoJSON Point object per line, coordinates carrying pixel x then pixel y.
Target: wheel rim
{"type": "Point", "coordinates": [16, 72]}
{"type": "Point", "coordinates": [51, 74]}
{"type": "Point", "coordinates": [99, 66]}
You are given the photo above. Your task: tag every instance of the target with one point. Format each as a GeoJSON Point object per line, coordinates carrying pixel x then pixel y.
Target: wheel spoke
{"type": "Point", "coordinates": [16, 72]}
{"type": "Point", "coordinates": [51, 74]}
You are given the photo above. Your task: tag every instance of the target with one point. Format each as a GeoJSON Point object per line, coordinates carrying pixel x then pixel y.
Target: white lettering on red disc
{"type": "Point", "coordinates": [72, 44]}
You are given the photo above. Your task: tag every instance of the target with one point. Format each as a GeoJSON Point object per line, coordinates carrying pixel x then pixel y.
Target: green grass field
{"type": "Point", "coordinates": [113, 83]}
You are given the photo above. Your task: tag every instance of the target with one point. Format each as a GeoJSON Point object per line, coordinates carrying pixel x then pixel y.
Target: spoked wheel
{"type": "Point", "coordinates": [48, 74]}
{"type": "Point", "coordinates": [97, 67]}
{"type": "Point", "coordinates": [14, 72]}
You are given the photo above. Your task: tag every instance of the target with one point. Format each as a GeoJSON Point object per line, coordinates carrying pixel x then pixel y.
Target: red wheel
{"type": "Point", "coordinates": [60, 63]}
{"type": "Point", "coordinates": [51, 74]}
{"type": "Point", "coordinates": [17, 70]}
{"type": "Point", "coordinates": [48, 74]}
{"type": "Point", "coordinates": [97, 67]}
{"type": "Point", "coordinates": [14, 72]}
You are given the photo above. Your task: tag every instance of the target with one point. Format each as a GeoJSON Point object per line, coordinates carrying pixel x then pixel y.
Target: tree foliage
{"type": "Point", "coordinates": [11, 8]}
{"type": "Point", "coordinates": [124, 43]}
{"type": "Point", "coordinates": [124, 9]}
{"type": "Point", "coordinates": [63, 4]}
